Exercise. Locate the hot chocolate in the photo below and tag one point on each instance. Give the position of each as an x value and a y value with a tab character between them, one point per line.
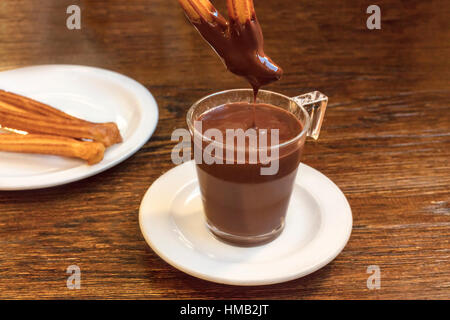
237	198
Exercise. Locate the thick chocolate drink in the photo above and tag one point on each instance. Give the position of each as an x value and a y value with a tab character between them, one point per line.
237	198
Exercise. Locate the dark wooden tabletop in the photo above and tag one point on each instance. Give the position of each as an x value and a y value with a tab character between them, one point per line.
385	142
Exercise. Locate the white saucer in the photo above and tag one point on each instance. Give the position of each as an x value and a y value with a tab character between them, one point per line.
90	93
318	226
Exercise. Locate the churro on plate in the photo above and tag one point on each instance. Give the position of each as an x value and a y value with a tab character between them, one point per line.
35	127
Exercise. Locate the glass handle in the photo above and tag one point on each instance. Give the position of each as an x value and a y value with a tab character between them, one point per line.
315	103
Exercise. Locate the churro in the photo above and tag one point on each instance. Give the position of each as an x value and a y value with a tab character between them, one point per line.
29	126
26	114
92	152
31	123
199	9
16	102
238	41
241	10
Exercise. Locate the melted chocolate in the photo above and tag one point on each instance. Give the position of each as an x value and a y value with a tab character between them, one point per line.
237	199
241	48
238	116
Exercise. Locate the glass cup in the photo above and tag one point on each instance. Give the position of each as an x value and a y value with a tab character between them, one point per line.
242	206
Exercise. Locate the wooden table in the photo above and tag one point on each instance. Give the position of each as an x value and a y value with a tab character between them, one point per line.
385	142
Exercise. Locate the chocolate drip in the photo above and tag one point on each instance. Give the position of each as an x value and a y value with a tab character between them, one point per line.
240	47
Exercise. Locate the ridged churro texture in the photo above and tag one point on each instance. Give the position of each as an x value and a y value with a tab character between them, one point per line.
197	10
25	114
241	10
92	152
30	126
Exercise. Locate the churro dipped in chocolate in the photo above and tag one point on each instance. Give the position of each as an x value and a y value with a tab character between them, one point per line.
92	152
238	41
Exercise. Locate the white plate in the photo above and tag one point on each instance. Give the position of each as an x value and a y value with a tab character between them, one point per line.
318	226
90	93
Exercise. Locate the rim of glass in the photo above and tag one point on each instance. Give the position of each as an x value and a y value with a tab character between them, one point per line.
294	139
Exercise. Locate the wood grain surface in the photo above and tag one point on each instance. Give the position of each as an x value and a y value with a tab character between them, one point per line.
385	142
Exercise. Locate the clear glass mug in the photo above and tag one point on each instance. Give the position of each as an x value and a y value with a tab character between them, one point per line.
242	206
